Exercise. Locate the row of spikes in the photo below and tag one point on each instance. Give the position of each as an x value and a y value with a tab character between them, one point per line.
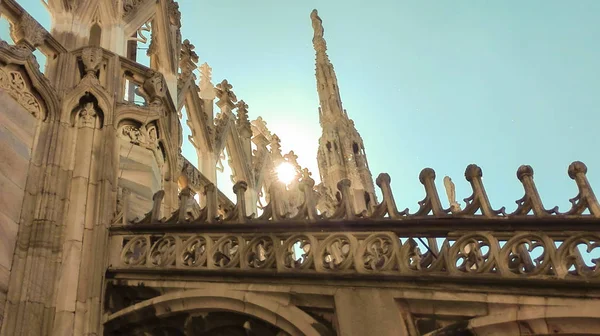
430	205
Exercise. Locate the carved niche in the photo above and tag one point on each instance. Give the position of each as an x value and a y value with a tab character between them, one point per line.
145	136
15	85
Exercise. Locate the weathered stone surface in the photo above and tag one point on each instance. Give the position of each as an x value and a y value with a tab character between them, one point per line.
95	142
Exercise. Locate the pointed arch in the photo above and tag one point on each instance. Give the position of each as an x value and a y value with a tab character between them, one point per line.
89	85
95	35
283	315
36	81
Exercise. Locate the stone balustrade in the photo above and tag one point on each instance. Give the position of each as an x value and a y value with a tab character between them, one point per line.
472	243
386	254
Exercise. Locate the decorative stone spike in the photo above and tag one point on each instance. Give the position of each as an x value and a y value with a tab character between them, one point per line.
431	202
585	199
157	202
479	199
276	148
207	89
211	203
187	58
239	213
226	97
184	197
531	201
388	204
347	203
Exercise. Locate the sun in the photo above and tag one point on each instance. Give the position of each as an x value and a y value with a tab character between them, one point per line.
286	173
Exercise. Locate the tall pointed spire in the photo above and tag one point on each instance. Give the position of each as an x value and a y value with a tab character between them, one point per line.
341	150
327	86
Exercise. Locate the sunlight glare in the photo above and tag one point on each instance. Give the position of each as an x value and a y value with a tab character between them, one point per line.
286	173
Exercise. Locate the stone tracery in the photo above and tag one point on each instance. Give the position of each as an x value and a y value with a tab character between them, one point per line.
14	83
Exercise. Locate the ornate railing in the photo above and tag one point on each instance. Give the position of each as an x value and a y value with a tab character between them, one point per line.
477	205
476	254
531	243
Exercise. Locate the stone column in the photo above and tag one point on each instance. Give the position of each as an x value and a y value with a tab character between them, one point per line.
81	197
368	311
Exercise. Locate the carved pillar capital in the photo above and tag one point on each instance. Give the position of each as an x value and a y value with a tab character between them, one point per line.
91	58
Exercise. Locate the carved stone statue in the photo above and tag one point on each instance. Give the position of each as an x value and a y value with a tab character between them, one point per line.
133	133
87	115
451	193
317	23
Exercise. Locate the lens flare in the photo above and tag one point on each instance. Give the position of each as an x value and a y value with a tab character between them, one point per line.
286	173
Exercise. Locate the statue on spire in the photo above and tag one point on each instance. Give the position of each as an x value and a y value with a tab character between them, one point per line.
317	24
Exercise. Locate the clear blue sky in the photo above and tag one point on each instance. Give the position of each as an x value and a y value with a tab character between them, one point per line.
438	84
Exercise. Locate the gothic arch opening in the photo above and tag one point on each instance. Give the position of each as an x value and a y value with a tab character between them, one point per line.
87	111
355	148
95	35
367	199
211	313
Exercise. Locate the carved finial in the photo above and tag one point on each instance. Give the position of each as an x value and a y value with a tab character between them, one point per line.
260	126
586	197
238	214
242	112
318	41
577	167
479	199
524	171
431	202
28	31
306	178
426	173
347	203
388	205
292	158
174	13
531	200
472	172
276	146
317	24
187	51
207	89
187	60
226	97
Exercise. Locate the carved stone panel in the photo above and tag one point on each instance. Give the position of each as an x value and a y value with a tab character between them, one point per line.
13	82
